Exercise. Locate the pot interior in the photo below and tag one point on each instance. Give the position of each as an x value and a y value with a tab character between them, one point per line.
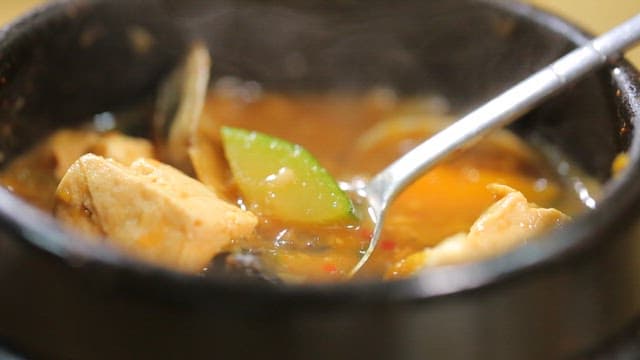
58	70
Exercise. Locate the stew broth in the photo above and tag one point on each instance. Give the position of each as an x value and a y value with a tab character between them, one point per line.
353	136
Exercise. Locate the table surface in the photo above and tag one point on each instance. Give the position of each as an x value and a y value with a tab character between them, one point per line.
594	15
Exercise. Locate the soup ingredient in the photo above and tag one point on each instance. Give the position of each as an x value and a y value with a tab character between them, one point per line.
209	164
124	149
35	174
179	105
373	130
447	200
283	180
192	143
620	162
149	210
391	138
66	146
507	223
400	128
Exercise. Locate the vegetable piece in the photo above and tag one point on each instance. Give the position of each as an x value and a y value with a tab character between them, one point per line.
283	180
179	105
188	137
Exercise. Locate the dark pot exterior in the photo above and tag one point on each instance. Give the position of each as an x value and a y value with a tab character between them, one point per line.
561	296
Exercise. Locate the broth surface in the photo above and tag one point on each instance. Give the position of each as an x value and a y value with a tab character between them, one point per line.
353	136
356	136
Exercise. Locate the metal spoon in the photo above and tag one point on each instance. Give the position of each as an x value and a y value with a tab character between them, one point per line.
498	112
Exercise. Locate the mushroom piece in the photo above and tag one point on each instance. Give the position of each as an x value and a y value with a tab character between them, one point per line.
180	127
509	222
179	105
149	210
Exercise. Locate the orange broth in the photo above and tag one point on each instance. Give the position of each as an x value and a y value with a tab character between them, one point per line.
353	136
442	203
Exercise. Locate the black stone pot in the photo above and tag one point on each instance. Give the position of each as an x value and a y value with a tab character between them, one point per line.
560	296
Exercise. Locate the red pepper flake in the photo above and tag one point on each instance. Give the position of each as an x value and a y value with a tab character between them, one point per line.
387	245
365	235
330	268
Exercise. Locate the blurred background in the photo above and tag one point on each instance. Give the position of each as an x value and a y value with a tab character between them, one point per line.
594	15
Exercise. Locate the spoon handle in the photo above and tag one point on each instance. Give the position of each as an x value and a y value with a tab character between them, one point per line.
500	111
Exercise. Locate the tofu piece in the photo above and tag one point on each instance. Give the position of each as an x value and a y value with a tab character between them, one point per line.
124	149
149	210
73	204
31	176
67	145
509	222
36	174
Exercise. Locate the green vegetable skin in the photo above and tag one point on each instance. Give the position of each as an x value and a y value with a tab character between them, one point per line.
283	180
